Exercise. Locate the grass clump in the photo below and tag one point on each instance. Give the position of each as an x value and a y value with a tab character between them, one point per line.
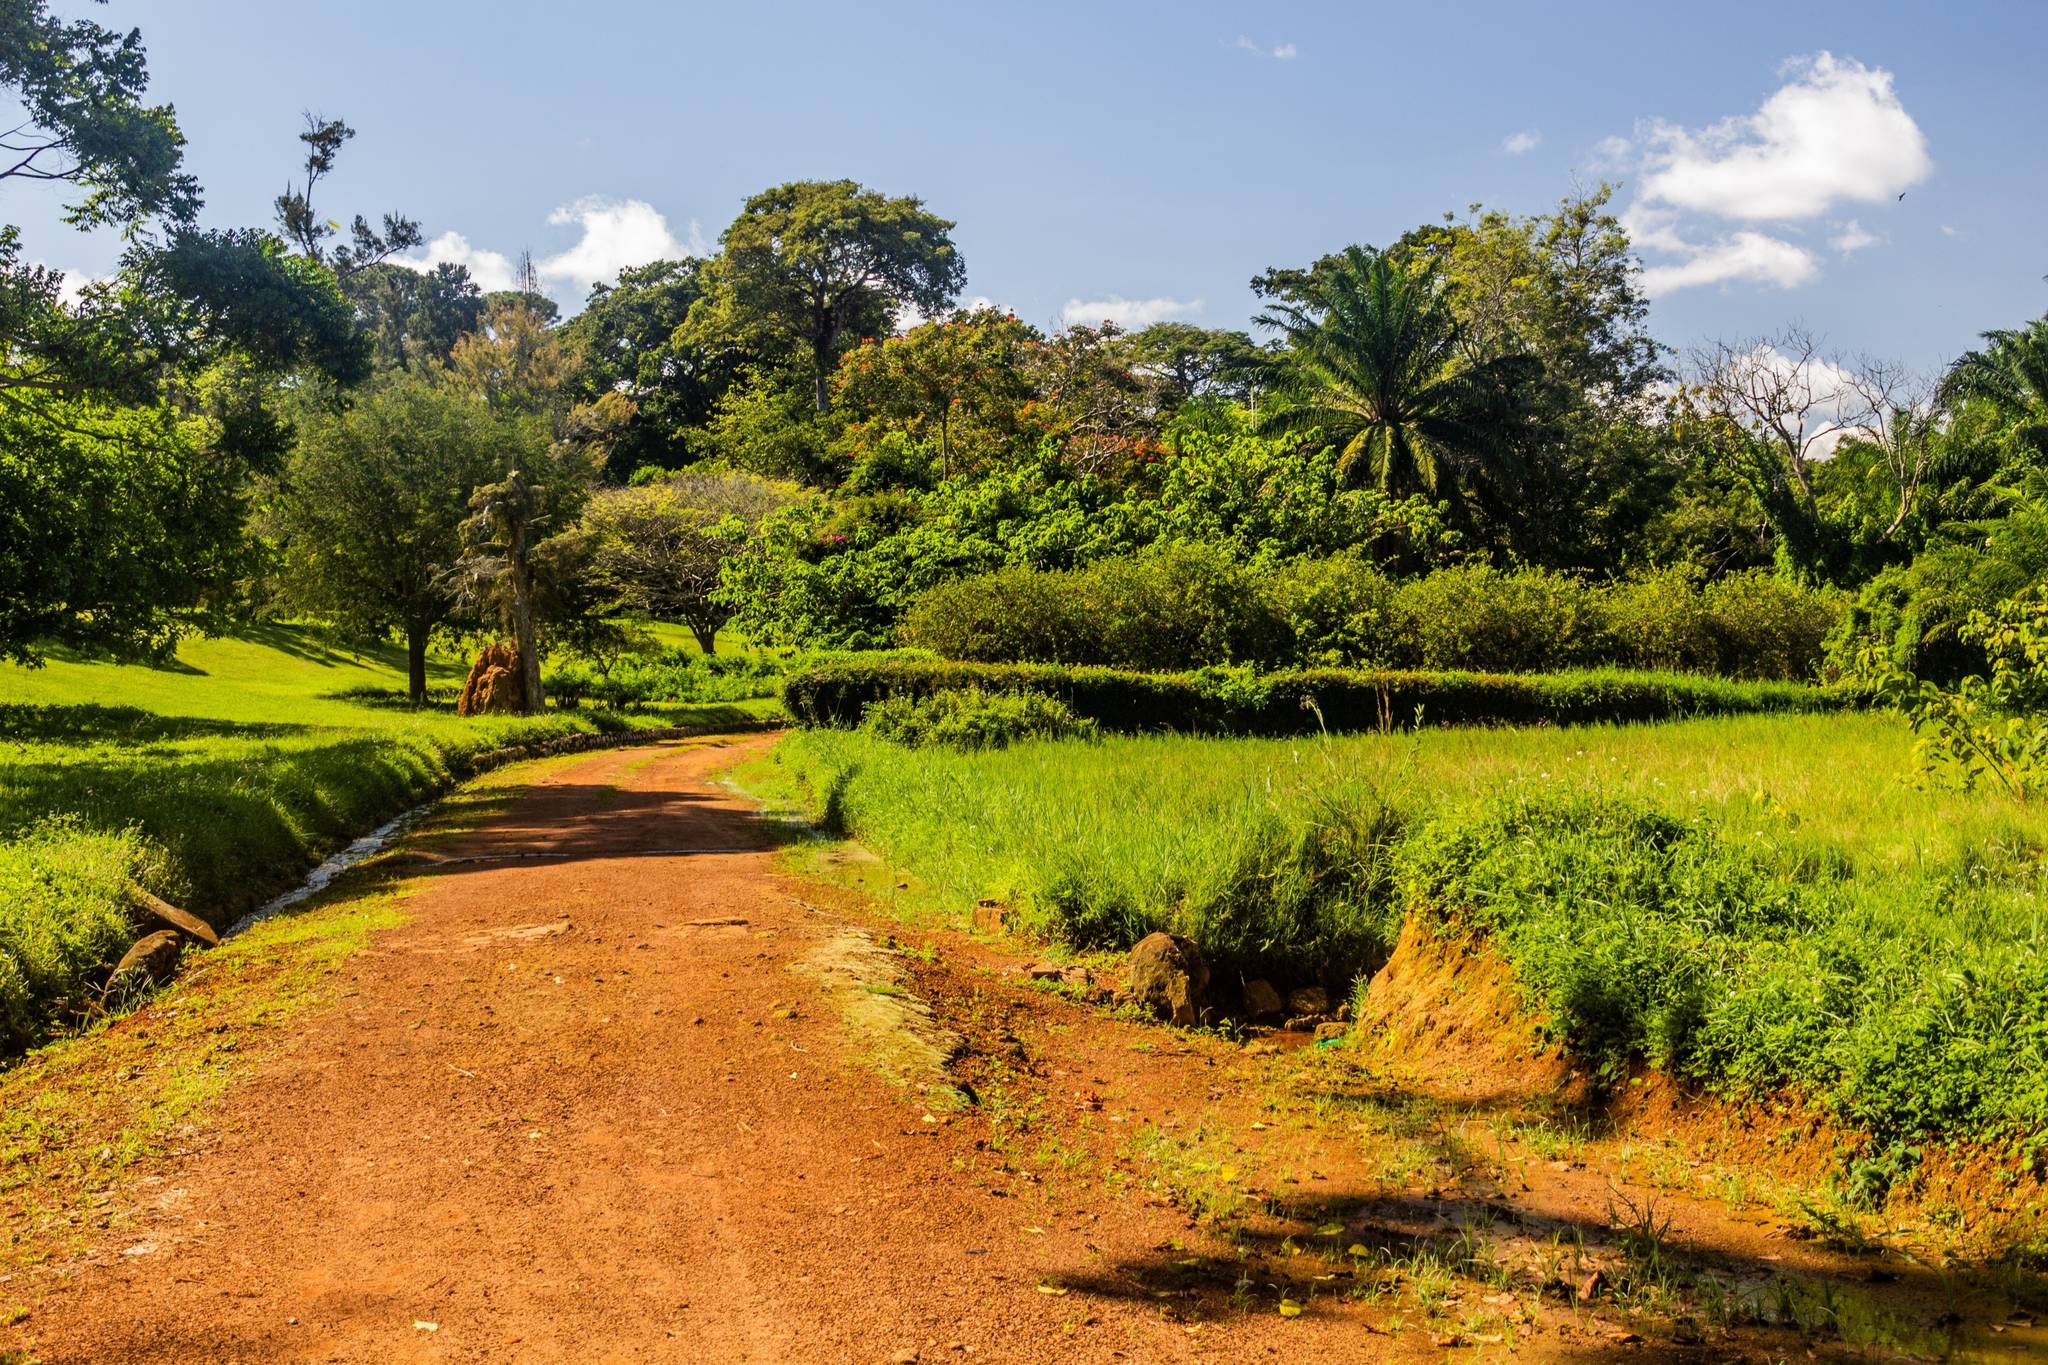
970	718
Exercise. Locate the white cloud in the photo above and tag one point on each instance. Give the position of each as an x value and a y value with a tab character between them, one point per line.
1852	236
908	315
492	270
1948	231
1836	131
617	233
1518	144
1754	257
1280	52
1129	313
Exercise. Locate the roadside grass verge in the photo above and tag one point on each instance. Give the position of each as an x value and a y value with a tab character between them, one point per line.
1752	902
212	783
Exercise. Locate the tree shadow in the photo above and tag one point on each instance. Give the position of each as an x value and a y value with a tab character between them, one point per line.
565	822
89	723
1397	1254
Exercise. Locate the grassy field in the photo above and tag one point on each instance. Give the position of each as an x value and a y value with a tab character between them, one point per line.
1753	902
213	782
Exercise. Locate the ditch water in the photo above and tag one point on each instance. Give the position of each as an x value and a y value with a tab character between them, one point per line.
333	866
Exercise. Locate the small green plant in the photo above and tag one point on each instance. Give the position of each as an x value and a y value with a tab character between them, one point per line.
969	718
1982	730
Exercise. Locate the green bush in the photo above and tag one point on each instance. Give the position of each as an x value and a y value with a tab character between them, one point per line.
1222	701
1767	626
1188	606
1528	621
1342	612
1179	607
970	718
666	676
1738	964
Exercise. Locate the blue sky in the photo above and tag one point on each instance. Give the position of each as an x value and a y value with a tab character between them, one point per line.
1147	160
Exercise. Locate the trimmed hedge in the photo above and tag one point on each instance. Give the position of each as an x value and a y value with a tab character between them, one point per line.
1225	701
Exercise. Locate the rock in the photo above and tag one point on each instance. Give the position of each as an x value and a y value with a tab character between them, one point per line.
1261	1001
1344	1013
1589	1288
1329	1031
1046	971
153	959
182	920
906	1356
989	916
495	685
1309	1000
1166	974
1304	1023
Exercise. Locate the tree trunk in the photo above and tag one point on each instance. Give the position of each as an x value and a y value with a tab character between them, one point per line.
707	638
824	399
522	623
416	663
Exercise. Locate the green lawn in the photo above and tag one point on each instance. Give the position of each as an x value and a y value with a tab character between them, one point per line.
1753	901
213	782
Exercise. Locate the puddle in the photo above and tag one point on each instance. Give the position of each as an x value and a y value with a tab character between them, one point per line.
318	879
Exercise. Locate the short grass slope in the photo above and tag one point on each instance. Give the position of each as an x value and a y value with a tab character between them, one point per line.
211	783
1754	903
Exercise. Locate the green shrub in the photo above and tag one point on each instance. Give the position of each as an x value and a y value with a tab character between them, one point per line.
1225	701
1181	606
1659	619
1767	626
970	718
666	676
1191	605
1342	612
1527	621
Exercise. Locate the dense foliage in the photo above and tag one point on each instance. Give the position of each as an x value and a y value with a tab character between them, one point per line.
841	692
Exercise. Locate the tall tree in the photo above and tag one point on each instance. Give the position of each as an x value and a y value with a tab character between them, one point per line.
370	511
659	549
959	379
2010	376
415	317
813	266
633	342
306	229
1376	361
154	383
1185	362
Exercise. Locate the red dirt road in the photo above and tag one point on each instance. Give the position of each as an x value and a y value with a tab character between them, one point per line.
558	1116
604	1105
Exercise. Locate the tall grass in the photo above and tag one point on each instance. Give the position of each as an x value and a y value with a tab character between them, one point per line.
1752	901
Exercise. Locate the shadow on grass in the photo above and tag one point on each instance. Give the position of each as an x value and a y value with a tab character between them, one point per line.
88	723
65	654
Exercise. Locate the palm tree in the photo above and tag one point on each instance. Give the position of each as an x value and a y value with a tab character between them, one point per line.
2011	375
1377	363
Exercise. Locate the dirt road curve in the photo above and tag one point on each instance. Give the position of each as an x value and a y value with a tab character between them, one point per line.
563	1114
